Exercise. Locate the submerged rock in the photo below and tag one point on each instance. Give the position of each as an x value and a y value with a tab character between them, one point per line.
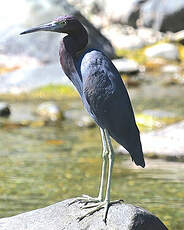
64	216
173	79
4	109
49	111
85	122
80	117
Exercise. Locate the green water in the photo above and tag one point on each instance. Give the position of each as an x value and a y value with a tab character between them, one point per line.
41	165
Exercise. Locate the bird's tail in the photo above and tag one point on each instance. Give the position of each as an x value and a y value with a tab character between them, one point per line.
138	158
136	152
132	144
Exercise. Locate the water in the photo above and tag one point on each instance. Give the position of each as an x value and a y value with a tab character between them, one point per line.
41	165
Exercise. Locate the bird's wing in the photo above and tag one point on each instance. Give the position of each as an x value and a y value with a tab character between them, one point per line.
103	89
107	99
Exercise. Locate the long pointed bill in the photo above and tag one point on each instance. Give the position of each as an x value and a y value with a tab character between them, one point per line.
45	27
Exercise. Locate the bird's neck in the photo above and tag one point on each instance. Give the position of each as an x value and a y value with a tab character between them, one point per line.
76	41
70	48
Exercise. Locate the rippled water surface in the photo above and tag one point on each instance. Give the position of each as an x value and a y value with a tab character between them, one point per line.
41	165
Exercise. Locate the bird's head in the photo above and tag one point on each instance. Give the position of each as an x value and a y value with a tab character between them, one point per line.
62	24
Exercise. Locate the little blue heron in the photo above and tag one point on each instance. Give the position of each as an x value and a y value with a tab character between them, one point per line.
104	96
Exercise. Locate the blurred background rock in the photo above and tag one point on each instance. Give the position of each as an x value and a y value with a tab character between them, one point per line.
113	27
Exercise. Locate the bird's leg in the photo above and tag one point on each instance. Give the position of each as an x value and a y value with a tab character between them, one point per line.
111	162
106	203
104	163
85	198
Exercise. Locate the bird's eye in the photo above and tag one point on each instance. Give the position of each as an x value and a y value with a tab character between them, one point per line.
64	22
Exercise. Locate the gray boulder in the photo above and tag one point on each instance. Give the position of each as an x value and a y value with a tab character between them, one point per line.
62	216
167	15
45	45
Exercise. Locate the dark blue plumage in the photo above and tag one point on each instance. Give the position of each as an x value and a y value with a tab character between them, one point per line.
106	99
104	96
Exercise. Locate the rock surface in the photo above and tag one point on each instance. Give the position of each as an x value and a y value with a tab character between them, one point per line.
61	216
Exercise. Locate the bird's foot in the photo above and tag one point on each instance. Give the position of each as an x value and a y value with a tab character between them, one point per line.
97	206
85	199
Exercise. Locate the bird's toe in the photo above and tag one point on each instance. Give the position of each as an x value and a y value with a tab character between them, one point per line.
85	199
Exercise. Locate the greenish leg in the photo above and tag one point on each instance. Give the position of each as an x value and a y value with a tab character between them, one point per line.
104	163
85	198
98	203
106	203
111	162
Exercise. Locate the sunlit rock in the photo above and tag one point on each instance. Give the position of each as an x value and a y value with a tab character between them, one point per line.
123	37
167	141
170	69
126	66
165	50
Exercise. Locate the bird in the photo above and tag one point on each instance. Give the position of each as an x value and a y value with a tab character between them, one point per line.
105	98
